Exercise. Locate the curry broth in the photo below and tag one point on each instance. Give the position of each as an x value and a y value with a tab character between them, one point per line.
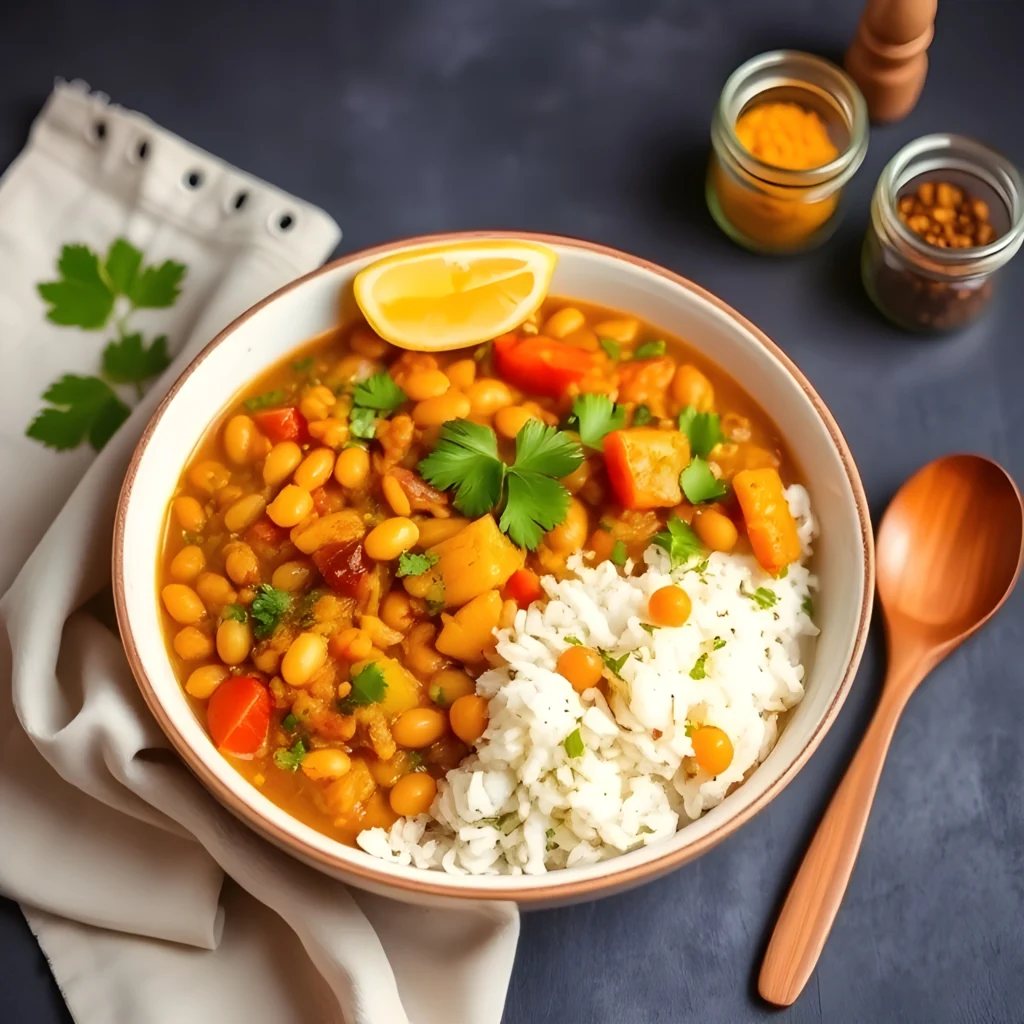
286	383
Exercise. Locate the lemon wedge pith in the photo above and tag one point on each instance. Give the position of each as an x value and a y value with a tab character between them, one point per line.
443	297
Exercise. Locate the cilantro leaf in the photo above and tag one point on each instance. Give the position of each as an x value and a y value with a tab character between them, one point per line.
289	723
573	744
267	609
535	505
362	423
679	541
697	672
266	400
650	350
466	459
234	613
378	392
368	687
762	597
613	664
89	410
129	361
289	760
642	416
612	349
415	565
699	483
718	644
574	640
542	449
700	568
81	298
649	627
807	605
157	287
618	555
121	265
704	430
596	416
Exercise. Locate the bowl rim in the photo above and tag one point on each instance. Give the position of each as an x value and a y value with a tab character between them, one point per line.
569	889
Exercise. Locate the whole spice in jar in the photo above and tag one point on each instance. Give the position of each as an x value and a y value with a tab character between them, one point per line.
947	217
787	136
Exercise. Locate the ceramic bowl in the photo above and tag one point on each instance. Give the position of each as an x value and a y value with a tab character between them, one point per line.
307	307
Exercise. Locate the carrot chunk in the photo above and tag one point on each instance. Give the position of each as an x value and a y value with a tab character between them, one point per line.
770	525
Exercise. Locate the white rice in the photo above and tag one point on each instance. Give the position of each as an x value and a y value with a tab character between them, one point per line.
522	804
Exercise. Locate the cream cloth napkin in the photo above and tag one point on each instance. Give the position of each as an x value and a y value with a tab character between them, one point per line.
115	852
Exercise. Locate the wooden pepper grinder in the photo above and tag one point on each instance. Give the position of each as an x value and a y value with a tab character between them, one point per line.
888	58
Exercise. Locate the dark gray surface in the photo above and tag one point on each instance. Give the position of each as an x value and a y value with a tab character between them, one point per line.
591	119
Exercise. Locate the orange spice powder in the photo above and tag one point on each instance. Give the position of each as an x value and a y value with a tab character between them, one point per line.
787	136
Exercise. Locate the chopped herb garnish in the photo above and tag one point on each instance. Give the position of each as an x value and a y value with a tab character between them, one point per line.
612	349
612	663
649	627
784	572
702	428
289	760
435	598
807	604
573	744
551	844
362	423
700	568
368	687
508	823
619	554
650	350
415	565
304	611
265	401
574	640
531	498
596	416
378	392
697	672
762	597
267	609
642	416
718	644
304	365
699	483
289	723
679	541
234	612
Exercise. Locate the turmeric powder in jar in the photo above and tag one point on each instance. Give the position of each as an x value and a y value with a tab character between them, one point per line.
790	130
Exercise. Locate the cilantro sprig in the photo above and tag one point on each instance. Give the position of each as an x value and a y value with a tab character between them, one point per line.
679	541
368	687
267	609
528	494
410	564
289	760
378	392
699	483
649	350
596	416
704	429
762	597
87	293
573	744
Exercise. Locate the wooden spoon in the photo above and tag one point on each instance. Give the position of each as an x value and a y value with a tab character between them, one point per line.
949	552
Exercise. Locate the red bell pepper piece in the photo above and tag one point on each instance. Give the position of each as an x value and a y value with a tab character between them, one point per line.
238	716
343	566
541	366
287	424
523	587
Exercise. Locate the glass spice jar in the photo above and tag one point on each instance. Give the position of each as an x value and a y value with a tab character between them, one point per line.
915	283
772	209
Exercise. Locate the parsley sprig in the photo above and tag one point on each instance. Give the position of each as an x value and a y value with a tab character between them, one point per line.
528	493
88	293
679	541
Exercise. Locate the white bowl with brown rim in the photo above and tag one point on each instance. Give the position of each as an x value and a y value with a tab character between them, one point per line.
843	559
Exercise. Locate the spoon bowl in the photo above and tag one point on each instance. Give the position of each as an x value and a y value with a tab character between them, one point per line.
949	548
949	552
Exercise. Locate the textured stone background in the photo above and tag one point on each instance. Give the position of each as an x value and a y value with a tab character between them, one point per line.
591	119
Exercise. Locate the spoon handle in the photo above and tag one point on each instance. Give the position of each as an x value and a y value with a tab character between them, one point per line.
820	884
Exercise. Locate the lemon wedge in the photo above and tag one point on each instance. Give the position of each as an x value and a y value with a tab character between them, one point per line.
443	297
